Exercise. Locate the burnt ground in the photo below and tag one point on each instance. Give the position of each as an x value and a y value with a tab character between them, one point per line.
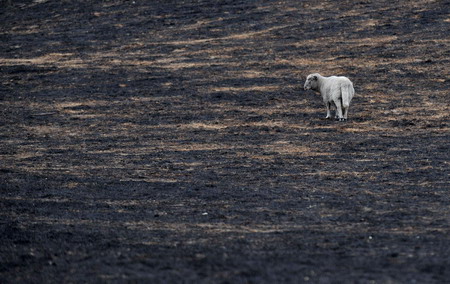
171	141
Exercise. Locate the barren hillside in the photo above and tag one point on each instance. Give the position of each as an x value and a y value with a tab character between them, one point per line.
172	141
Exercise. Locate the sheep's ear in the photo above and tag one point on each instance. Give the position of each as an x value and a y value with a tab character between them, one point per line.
314	78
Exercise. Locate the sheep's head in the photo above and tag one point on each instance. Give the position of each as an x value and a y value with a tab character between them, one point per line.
311	82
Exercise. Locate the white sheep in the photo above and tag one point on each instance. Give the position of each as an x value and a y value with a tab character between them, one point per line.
335	89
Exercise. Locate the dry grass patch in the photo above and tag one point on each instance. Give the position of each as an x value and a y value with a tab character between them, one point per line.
266	88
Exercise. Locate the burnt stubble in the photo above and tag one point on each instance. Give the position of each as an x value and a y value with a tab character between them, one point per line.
172	141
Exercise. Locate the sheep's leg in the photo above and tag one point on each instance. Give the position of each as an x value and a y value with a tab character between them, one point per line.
345	112
339	109
328	105
336	114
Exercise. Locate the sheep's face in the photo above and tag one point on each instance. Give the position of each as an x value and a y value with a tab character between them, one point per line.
311	82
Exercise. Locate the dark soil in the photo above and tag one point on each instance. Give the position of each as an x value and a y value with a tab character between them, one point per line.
172	141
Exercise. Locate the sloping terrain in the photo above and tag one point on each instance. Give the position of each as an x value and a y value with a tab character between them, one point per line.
172	141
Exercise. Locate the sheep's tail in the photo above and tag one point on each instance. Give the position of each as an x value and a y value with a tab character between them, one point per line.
347	94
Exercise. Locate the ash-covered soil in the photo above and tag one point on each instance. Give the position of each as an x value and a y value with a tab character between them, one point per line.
172	142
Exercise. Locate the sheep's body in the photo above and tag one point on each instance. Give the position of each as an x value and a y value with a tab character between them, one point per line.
334	89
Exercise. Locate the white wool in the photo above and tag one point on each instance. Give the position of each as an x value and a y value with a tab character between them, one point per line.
335	89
